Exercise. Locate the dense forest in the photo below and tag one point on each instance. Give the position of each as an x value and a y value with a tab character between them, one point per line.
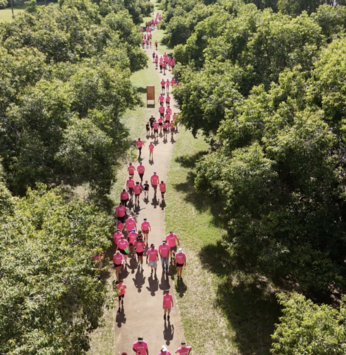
265	83
64	83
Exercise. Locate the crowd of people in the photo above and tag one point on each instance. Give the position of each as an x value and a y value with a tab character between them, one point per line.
131	238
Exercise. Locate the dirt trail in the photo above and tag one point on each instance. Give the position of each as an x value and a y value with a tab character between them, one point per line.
143	313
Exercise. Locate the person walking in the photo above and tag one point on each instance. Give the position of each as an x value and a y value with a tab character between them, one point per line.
180	262
172	241
130	224
145	227
147	128
156	44
164	252
123	247
116	237
146	190
139	249
165	129
164	350
130	185
161	99
139	144
154	182
131	169
168	100
152	257
140	347
118	261
167	86
167	304
184	350
124	197
151	151
151	121
120	211
162	188
132	237
137	190
121	287
141	170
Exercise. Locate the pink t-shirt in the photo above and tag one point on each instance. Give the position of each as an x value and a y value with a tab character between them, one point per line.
117	237
130	183
140	169
155	179
155	125
162	81
184	351
122	289
117	258
151	147
171	238
123	244
132	237
180	258
130	224
161	109
140	246
167	117
120	226
124	196
137	189
140	347
160	120
162	187
120	210
131	169
145	226
161	98
171	125
167	301
168	98
169	110
139	144
167	83
164	250
152	254
165	125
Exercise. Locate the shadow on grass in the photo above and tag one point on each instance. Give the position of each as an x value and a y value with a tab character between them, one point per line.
245	298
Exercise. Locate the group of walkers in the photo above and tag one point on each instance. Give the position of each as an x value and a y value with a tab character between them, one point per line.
131	239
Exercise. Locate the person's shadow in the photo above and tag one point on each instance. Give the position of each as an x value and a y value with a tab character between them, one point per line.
133	264
180	288
168	332
163	204
151	162
130	203
154	201
153	285
124	273
164	284
139	280
120	318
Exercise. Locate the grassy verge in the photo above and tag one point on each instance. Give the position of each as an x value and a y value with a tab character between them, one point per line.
6	14
223	310
102	340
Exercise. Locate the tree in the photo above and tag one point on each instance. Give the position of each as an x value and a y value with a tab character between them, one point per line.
307	328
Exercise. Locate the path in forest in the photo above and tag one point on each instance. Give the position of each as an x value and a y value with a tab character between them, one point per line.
143	312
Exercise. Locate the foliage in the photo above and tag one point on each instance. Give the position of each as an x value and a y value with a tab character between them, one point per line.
3	4
50	297
31	6
307	328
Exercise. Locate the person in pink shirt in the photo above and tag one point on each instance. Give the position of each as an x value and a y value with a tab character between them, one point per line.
151	151
154	182
121	293
130	224
168	100
161	99
123	247
165	130
139	248
139	144
120	225
163	85
118	260
167	304
137	190
167	86
162	111
172	241
164	252
160	120
145	227
180	262
164	351
167	117
132	236
169	110
140	347
116	237
152	257
131	169
162	188
130	185
184	350
124	197
140	170
120	212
